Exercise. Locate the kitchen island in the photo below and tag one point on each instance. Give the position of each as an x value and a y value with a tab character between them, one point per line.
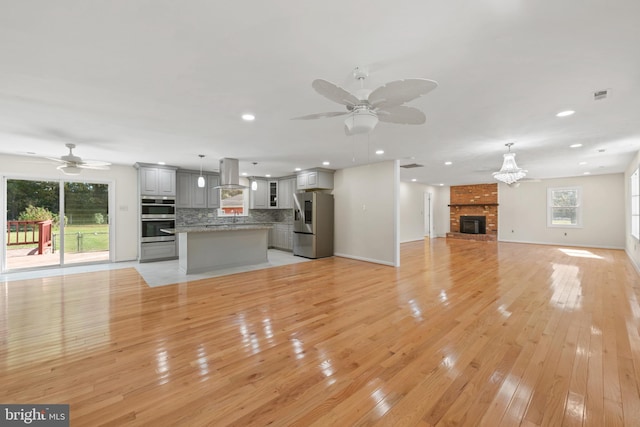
208	248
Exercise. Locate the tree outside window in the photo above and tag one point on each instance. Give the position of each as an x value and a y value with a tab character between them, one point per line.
233	202
564	207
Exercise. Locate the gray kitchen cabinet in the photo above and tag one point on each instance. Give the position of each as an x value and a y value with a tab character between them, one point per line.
213	193
272	190
189	195
315	179
158	250
260	196
157	181
286	188
283	236
183	191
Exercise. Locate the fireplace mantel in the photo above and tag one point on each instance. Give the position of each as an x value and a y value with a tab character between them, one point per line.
473	204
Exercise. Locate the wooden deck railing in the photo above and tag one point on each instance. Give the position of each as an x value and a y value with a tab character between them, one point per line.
30	232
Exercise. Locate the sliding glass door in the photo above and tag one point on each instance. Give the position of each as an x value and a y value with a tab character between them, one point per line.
53	223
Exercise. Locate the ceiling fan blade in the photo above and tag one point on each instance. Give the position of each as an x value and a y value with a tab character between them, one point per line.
93	163
400	91
55	159
321	115
102	167
334	93
402	114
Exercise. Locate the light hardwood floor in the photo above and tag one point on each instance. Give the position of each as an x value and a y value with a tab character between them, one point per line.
463	333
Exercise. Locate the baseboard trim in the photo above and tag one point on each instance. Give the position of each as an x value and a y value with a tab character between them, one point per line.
573	245
359	258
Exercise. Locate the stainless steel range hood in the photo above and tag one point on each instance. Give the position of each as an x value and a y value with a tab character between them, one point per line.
230	175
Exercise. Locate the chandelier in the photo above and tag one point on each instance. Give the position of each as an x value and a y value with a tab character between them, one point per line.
510	172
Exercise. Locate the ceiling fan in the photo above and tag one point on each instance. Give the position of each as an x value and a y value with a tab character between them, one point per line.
73	165
366	107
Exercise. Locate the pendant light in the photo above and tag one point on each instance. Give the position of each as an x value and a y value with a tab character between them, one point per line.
201	178
254	183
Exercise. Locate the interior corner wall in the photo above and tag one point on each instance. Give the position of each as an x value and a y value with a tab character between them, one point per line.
632	245
412	211
523	212
367	213
441	219
124	215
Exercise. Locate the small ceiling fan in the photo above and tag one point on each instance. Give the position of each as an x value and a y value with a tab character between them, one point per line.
366	107
73	165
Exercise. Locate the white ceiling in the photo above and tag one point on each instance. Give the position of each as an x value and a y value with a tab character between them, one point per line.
145	81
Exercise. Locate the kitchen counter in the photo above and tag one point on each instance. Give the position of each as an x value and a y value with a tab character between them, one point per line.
207	248
217	228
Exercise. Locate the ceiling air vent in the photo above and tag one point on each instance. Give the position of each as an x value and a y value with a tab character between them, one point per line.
600	94
411	166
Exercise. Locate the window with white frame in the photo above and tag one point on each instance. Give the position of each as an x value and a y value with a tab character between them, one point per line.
564	207
635	204
234	202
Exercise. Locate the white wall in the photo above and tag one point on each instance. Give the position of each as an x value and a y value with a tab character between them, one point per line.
632	246
441	201
367	213
412	213
522	212
123	179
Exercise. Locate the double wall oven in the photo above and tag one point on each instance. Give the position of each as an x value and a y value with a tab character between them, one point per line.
157	213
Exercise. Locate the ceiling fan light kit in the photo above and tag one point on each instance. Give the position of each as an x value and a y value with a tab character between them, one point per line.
361	121
69	169
509	173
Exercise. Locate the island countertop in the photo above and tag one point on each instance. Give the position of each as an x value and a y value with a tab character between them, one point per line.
216	228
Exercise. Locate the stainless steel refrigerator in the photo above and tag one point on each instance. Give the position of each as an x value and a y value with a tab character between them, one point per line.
313	225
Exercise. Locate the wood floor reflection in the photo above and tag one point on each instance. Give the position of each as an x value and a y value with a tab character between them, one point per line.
463	333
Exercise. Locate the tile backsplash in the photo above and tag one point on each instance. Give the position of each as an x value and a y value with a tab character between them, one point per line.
191	216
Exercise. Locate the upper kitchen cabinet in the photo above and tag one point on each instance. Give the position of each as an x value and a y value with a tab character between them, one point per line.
259	198
213	193
273	194
189	195
286	188
315	179
156	180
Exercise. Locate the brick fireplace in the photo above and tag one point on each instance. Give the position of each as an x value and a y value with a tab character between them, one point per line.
474	202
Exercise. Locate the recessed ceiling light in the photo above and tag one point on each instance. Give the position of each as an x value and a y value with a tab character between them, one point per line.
326	163
161	163
587	173
413	180
441	185
378	152
448	163
565	113
297	169
575	146
244	174
268	175
582	163
248	117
